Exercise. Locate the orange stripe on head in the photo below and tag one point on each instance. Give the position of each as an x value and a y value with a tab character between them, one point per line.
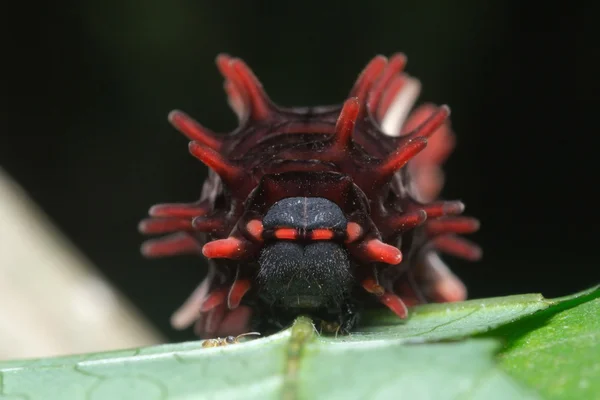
286	233
321	234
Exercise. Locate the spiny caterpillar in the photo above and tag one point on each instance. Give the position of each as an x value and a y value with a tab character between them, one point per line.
323	211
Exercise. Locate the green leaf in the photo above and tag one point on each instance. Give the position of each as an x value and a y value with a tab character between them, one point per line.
389	370
432	355
450	320
557	351
181	371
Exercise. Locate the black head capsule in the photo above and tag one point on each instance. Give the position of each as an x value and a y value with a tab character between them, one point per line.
297	272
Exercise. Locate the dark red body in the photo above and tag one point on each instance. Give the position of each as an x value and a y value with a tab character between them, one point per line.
371	192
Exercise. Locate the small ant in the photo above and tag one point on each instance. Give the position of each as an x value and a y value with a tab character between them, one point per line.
219	342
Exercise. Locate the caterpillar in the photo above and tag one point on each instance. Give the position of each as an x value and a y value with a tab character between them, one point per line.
324	211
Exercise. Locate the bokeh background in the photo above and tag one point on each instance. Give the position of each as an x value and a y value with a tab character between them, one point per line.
91	82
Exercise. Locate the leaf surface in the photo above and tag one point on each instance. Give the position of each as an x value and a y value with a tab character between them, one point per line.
432	355
557	351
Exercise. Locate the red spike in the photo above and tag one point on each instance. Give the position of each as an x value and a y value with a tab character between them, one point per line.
222	62
236	322
259	102
458	247
178	243
188	312
152	226
214	299
214	318
427	180
393	68
448	290
410	295
353	232
345	124
371	286
390	300
368	77
237	292
408	221
389	95
439	282
180	210
395	304
234	87
255	229
232	248
235	99
223	167
199	327
224	65
207	224
400	157
441	143
443	208
431	124
378	251
193	130
452	225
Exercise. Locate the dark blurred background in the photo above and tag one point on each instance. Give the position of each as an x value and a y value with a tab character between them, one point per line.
91	82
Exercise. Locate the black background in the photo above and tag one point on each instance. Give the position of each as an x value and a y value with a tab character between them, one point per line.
90	84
